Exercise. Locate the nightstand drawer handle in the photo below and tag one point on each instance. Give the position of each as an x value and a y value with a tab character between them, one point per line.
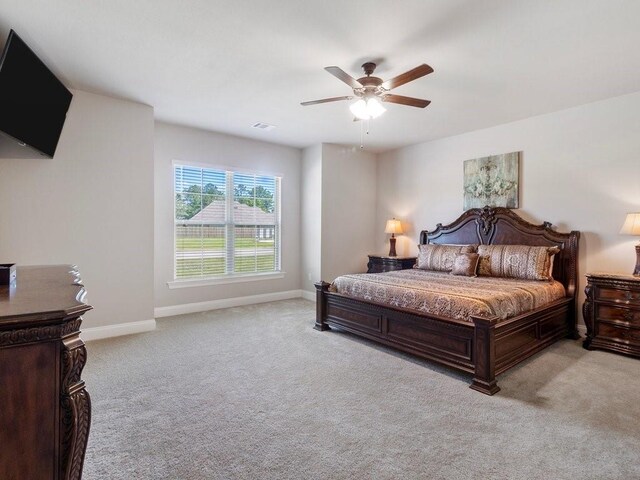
631	296
630	335
629	316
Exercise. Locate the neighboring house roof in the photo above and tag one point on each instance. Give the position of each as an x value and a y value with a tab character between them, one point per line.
242	214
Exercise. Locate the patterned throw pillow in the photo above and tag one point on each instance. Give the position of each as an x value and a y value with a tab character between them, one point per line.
465	264
516	261
440	257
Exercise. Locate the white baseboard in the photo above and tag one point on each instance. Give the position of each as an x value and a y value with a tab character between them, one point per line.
97	333
225	303
582	330
108	331
309	295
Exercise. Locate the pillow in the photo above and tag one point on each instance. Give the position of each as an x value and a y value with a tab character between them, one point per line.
465	264
440	257
516	261
551	259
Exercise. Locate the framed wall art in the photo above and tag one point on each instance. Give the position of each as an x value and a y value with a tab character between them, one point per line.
492	181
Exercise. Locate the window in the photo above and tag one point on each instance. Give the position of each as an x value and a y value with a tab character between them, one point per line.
226	223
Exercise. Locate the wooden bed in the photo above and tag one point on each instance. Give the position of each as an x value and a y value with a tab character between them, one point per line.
484	347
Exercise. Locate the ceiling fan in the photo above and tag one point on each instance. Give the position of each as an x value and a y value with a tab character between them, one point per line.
372	90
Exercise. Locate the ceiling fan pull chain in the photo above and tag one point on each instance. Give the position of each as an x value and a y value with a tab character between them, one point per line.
363	132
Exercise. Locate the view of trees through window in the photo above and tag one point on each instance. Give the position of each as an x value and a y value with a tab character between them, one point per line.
189	205
220	234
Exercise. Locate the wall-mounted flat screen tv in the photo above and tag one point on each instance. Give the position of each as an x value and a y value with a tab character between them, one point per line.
33	102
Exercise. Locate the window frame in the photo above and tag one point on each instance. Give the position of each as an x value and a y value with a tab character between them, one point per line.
231	277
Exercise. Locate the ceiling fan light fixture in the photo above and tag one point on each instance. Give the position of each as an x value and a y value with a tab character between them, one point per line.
359	110
367	109
372	90
375	108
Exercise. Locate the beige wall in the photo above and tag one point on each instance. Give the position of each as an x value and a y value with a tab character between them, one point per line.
190	145
311	213
580	170
92	205
338	212
348	210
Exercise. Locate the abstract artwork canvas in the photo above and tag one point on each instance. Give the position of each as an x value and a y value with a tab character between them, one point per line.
492	181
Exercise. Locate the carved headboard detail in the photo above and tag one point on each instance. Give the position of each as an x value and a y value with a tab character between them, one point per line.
501	226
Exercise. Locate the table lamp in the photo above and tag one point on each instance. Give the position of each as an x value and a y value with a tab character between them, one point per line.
393	226
631	226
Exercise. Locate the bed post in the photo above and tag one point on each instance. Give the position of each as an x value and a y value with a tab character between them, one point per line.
484	355
321	306
572	285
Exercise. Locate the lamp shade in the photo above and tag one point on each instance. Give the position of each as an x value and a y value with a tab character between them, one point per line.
393	226
367	109
359	110
375	108
631	224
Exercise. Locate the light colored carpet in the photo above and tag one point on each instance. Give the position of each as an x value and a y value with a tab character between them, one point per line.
255	393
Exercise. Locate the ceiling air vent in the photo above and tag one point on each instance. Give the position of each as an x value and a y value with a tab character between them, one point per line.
263	126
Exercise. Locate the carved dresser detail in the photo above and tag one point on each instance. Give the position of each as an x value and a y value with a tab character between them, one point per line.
612	313
45	411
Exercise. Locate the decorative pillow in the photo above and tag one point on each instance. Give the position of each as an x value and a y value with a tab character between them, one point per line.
516	261
440	257
551	259
465	264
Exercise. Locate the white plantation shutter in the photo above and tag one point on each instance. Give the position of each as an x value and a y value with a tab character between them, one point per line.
226	223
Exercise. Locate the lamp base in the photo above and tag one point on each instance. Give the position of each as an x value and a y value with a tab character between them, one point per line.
392	247
637	270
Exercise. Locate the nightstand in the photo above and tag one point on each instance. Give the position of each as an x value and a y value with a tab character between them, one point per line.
612	313
384	263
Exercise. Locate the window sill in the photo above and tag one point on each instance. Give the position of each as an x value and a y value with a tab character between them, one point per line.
238	278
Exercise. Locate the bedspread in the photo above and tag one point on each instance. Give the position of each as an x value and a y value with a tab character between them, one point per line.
443	294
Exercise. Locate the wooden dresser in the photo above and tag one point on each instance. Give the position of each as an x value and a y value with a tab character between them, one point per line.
612	313
45	410
383	263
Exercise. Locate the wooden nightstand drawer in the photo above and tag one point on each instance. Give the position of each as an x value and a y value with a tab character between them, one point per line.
626	316
614	332
618	295
381	263
612	313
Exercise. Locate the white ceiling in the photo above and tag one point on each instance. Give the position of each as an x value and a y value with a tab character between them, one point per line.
224	65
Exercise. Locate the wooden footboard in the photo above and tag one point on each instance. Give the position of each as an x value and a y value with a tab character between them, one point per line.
484	348
448	342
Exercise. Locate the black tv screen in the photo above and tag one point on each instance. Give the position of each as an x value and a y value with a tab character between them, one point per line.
33	102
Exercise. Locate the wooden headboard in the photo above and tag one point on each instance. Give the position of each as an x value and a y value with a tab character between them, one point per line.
501	226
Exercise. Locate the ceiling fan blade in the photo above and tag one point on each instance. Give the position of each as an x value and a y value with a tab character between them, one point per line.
326	100
402	100
344	76
407	77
